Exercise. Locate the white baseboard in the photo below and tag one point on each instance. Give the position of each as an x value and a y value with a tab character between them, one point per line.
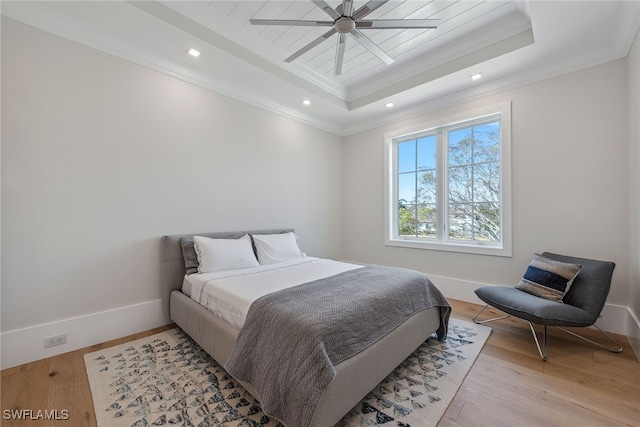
27	345
615	318
633	326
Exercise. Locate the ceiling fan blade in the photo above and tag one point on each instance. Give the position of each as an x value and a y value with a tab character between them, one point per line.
311	45
290	22
398	23
368	8
337	66
371	46
345	8
327	9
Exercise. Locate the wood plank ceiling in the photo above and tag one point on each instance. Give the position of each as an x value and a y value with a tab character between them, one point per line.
231	18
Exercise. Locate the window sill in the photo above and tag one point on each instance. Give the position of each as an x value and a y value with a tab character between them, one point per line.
473	248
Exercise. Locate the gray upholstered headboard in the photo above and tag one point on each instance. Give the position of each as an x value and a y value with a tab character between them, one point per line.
172	263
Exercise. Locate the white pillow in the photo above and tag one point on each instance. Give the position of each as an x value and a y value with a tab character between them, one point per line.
224	254
275	248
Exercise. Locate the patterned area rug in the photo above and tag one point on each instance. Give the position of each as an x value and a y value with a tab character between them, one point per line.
167	379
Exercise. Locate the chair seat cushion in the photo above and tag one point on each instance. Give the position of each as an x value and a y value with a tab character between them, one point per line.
532	308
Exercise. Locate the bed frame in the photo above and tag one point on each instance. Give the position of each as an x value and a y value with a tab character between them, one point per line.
355	377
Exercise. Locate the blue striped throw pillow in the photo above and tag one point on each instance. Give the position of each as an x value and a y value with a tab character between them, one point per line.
548	278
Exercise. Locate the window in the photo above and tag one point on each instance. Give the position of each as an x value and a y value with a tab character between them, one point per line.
448	184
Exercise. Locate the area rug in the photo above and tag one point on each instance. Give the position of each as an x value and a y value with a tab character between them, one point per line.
167	379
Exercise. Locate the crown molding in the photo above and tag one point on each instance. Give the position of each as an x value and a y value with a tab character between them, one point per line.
490	88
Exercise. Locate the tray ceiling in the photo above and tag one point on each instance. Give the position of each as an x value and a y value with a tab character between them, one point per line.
510	42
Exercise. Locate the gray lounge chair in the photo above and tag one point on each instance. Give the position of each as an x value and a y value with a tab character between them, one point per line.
580	306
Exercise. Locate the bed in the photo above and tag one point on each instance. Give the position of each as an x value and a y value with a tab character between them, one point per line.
351	378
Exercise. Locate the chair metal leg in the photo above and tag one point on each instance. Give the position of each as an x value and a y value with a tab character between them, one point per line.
480	322
541	351
617	349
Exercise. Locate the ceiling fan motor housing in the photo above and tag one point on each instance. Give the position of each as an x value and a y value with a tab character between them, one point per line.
344	24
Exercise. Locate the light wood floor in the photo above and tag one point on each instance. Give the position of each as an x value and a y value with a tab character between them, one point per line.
508	385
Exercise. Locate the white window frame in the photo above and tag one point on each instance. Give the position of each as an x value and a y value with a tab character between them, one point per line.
392	238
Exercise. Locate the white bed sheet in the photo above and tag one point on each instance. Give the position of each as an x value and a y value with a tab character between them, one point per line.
229	294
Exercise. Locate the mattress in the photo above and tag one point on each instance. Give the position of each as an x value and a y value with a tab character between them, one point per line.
229	294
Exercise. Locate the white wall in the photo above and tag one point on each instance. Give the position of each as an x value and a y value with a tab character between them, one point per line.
569	184
633	76
101	157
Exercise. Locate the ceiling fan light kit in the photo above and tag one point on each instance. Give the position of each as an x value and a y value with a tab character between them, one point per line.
346	21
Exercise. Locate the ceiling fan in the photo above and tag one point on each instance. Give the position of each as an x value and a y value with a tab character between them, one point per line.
346	21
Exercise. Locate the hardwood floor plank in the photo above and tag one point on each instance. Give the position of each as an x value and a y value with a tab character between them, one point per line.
483	388
546	399
25	388
68	374
478	415
456	405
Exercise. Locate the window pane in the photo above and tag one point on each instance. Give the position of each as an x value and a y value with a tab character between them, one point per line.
407	156
427	188
407	187
461	184
460	147
479	222
427	152
460	221
427	213
486	142
406	220
427	229
486	182
487	220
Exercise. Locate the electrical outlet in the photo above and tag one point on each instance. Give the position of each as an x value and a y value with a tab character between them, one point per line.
55	340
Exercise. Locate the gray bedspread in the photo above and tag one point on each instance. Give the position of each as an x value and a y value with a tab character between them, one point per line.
292	339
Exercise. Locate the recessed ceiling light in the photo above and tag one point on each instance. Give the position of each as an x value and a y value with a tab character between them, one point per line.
306	102
389	104
193	52
476	76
